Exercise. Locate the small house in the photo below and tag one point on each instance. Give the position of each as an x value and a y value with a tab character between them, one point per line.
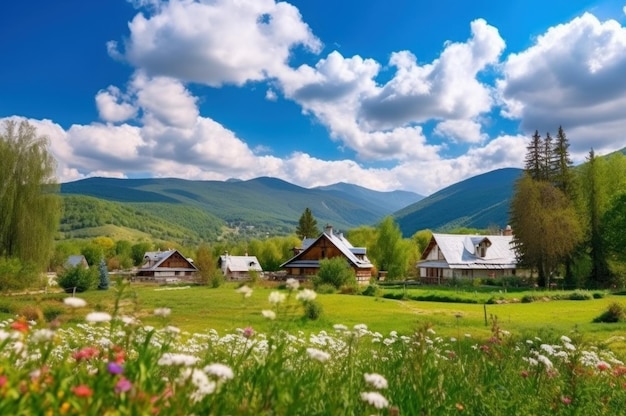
329	244
449	256
166	267
76	260
239	267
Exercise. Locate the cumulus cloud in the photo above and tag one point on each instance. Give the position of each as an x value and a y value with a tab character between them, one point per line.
113	106
461	131
572	76
218	42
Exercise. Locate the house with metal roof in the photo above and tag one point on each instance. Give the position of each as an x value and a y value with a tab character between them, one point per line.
166	267
449	256
76	260
239	267
329	244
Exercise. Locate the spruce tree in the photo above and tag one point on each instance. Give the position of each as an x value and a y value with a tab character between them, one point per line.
307	225
563	178
533	156
103	272
547	159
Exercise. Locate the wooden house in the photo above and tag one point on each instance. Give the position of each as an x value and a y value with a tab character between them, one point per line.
449	256
239	267
166	267
76	260
306	261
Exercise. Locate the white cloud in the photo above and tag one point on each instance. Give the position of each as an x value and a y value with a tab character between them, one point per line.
113	106
461	131
572	76
216	42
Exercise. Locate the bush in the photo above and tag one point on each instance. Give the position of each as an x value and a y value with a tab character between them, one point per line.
598	295
336	272
326	289
50	313
31	313
77	277
312	310
372	290
528	299
216	280
15	275
578	295
614	313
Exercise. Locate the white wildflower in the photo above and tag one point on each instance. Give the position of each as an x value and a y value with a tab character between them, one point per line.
245	291
569	346
269	314
544	360
452	339
566	340
468	335
360	327
375	380
75	302
318	355
221	371
42	335
163	312
95	317
276	298
548	348
170	358
340	327
172	329
292	284
306	295
431	331
375	399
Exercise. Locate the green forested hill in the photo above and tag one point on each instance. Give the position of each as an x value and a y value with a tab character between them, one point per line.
478	202
179	209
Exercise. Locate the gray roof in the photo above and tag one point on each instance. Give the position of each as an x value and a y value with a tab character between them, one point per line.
155	258
76	260
459	252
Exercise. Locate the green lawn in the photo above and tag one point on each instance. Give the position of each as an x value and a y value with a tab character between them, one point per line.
198	309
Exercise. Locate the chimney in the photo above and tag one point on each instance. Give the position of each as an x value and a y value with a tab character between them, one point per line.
508	231
329	229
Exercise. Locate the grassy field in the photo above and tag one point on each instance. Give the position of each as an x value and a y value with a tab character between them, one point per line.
197	309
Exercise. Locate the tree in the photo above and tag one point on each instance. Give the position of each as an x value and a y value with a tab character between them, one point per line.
614	225
563	177
139	250
307	225
206	264
533	162
389	253
103	273
547	159
596	200
546	226
29	202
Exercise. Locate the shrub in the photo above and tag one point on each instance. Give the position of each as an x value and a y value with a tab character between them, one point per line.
336	272
77	277
31	313
216	280
50	313
312	310
614	313
325	289
16	275
372	290
598	295
528	299
578	295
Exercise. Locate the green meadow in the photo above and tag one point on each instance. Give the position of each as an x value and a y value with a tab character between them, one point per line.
197	309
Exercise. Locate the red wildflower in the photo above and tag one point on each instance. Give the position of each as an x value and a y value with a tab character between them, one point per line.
3	380
484	348
82	390
248	332
20	325
602	366
86	353
566	400
524	374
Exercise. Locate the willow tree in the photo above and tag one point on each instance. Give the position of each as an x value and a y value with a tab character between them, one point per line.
29	202
546	226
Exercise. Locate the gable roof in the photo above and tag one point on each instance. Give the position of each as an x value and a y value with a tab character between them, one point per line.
240	263
460	251
156	259
339	241
76	260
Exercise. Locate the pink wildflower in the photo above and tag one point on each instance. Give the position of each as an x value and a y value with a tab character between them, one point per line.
123	385
82	390
248	332
86	353
566	400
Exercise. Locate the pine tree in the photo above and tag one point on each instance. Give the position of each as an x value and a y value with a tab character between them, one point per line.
533	156
563	178
547	159
307	225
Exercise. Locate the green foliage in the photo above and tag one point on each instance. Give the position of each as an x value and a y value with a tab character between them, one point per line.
77	277
206	264
16	275
325	288
614	313
614	220
307	225
579	295
138	251
390	252
312	310
28	195
336	272
372	290
546	226
51	312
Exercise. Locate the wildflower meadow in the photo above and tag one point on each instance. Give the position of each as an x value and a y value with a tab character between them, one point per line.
112	364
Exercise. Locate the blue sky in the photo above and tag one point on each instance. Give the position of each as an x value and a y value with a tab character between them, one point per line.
412	95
